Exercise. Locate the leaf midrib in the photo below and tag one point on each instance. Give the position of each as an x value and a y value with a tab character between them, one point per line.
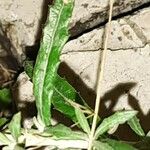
53	35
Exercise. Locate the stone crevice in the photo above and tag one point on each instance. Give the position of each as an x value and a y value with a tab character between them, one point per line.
99	18
100	49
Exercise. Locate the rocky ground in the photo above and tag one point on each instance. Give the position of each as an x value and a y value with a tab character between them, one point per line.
127	74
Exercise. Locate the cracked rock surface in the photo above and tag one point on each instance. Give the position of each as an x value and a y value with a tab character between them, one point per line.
89	13
127	72
21	20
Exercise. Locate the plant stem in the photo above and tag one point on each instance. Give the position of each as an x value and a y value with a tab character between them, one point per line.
100	76
78	122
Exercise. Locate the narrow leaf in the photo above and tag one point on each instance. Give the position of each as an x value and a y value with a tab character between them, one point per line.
2	121
116	119
97	145
15	126
54	37
40	141
112	130
62	132
5	97
119	145
148	134
13	147
82	120
18	147
135	126
28	67
64	89
61	86
3	139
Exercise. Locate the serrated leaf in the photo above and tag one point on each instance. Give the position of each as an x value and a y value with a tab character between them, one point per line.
15	126
3	121
62	132
119	145
5	97
97	145
135	126
116	119
54	37
3	139
82	120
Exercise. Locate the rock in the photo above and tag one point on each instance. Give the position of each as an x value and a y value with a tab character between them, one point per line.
6	53
21	20
127	74
88	14
24	99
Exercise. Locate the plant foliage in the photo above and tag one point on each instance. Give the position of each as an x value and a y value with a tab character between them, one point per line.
116	119
50	88
55	35
5	97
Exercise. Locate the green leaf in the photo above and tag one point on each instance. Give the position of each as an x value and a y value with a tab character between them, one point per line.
15	126
82	120
13	147
62	132
135	126
148	134
3	139
116	119
18	147
5	97
119	145
3	121
97	145
28	67
60	86
54	37
63	90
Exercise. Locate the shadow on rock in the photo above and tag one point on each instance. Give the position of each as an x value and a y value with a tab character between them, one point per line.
112	96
